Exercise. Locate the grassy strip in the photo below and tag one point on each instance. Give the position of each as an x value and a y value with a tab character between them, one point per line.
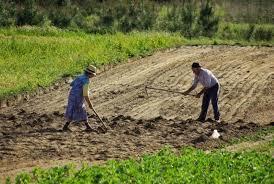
265	146
31	57
190	166
261	142
257	136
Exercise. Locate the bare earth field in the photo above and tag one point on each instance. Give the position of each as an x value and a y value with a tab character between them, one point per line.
30	133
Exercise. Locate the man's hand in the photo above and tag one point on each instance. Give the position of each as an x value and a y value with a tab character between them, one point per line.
201	92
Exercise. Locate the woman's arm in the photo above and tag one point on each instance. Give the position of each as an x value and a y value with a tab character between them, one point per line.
86	95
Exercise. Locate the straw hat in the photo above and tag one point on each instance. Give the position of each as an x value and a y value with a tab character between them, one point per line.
91	69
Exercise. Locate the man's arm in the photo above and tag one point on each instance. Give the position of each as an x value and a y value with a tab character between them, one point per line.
207	83
193	86
189	90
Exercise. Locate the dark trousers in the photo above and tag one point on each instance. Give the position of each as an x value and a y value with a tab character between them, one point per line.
210	94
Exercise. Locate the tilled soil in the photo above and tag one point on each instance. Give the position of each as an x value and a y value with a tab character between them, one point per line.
30	133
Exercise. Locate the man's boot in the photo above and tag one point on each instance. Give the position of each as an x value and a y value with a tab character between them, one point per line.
202	120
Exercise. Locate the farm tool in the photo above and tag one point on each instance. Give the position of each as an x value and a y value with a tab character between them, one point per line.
96	114
167	90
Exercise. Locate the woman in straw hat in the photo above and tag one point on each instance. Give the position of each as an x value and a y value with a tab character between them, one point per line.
76	110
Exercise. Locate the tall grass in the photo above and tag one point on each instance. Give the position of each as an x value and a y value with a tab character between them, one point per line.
247	32
31	57
190	166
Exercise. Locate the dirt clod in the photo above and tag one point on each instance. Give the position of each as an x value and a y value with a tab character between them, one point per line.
201	138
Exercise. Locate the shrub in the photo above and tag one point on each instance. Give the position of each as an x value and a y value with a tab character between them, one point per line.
90	23
61	18
249	32
263	34
188	19
7	14
134	16
207	21
28	15
105	24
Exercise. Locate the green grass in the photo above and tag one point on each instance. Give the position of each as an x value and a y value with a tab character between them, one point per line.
31	56
261	141
246	32
190	166
257	136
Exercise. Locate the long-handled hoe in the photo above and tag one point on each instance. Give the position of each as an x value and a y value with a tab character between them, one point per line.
167	90
105	127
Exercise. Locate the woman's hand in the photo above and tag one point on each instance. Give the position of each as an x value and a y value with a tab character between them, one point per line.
90	106
198	95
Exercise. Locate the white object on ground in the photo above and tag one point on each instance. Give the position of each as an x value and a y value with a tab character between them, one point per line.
215	134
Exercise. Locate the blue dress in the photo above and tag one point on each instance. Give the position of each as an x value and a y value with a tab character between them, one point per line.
76	110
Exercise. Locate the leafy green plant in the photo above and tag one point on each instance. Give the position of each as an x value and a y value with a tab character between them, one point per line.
190	166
